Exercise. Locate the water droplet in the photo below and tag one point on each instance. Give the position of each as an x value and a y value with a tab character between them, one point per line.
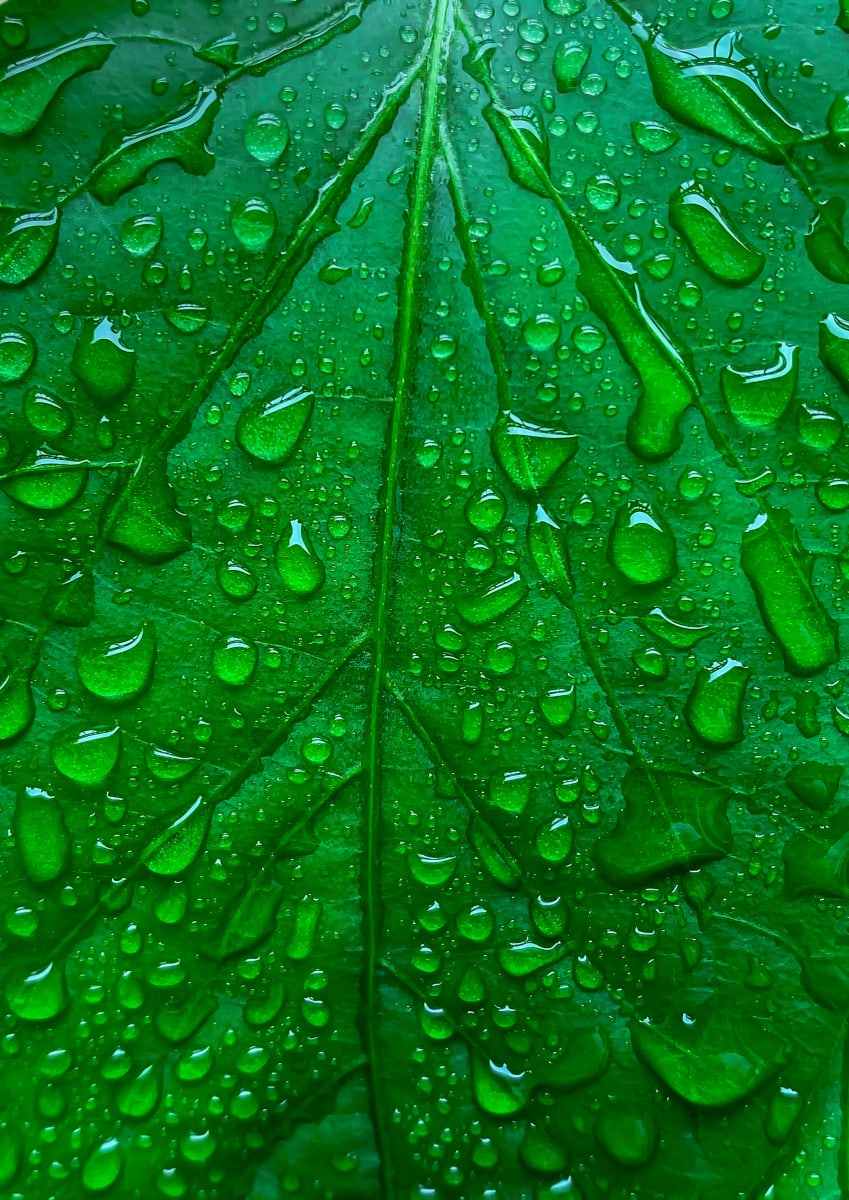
28	85
266	137
270	429
87	756
103	364
42	836
254	222
17	354
298	565
530	455
714	708
642	546
27	241
118	671
717	246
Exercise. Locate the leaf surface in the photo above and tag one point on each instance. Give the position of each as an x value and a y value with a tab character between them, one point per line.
423	570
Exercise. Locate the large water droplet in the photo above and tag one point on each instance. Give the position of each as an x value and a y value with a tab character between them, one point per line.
642	546
271	429
118	671
103	364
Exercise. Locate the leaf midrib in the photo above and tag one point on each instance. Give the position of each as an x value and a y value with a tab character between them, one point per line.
420	187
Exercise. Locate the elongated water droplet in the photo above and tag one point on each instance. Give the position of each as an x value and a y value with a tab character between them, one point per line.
298	565
47	481
138	1096
42	836
707	1068
779	570
271	429
723	252
493	602
547	544
28	85
118	671
674	633
570	58
17	709
125	161
834	347
714	708
719	88
523	139
27	241
17	354
179	846
825	240
671	822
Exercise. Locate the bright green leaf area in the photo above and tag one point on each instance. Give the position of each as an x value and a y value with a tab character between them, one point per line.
423	557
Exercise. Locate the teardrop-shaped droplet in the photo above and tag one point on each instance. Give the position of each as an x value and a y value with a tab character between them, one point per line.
570	58
178	847
27	241
103	364
40	996
558	706
28	85
47	413
47	481
719	248
758	397
41	834
118	671
145	518
139	1094
17	354
140	235
498	1090
17	709
298	565
103	1166
834	347
87	756
493	602
530	455
714	708
271	429
642	545
71	600
524	143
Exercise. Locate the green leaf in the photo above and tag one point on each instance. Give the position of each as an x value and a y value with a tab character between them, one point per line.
424	544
